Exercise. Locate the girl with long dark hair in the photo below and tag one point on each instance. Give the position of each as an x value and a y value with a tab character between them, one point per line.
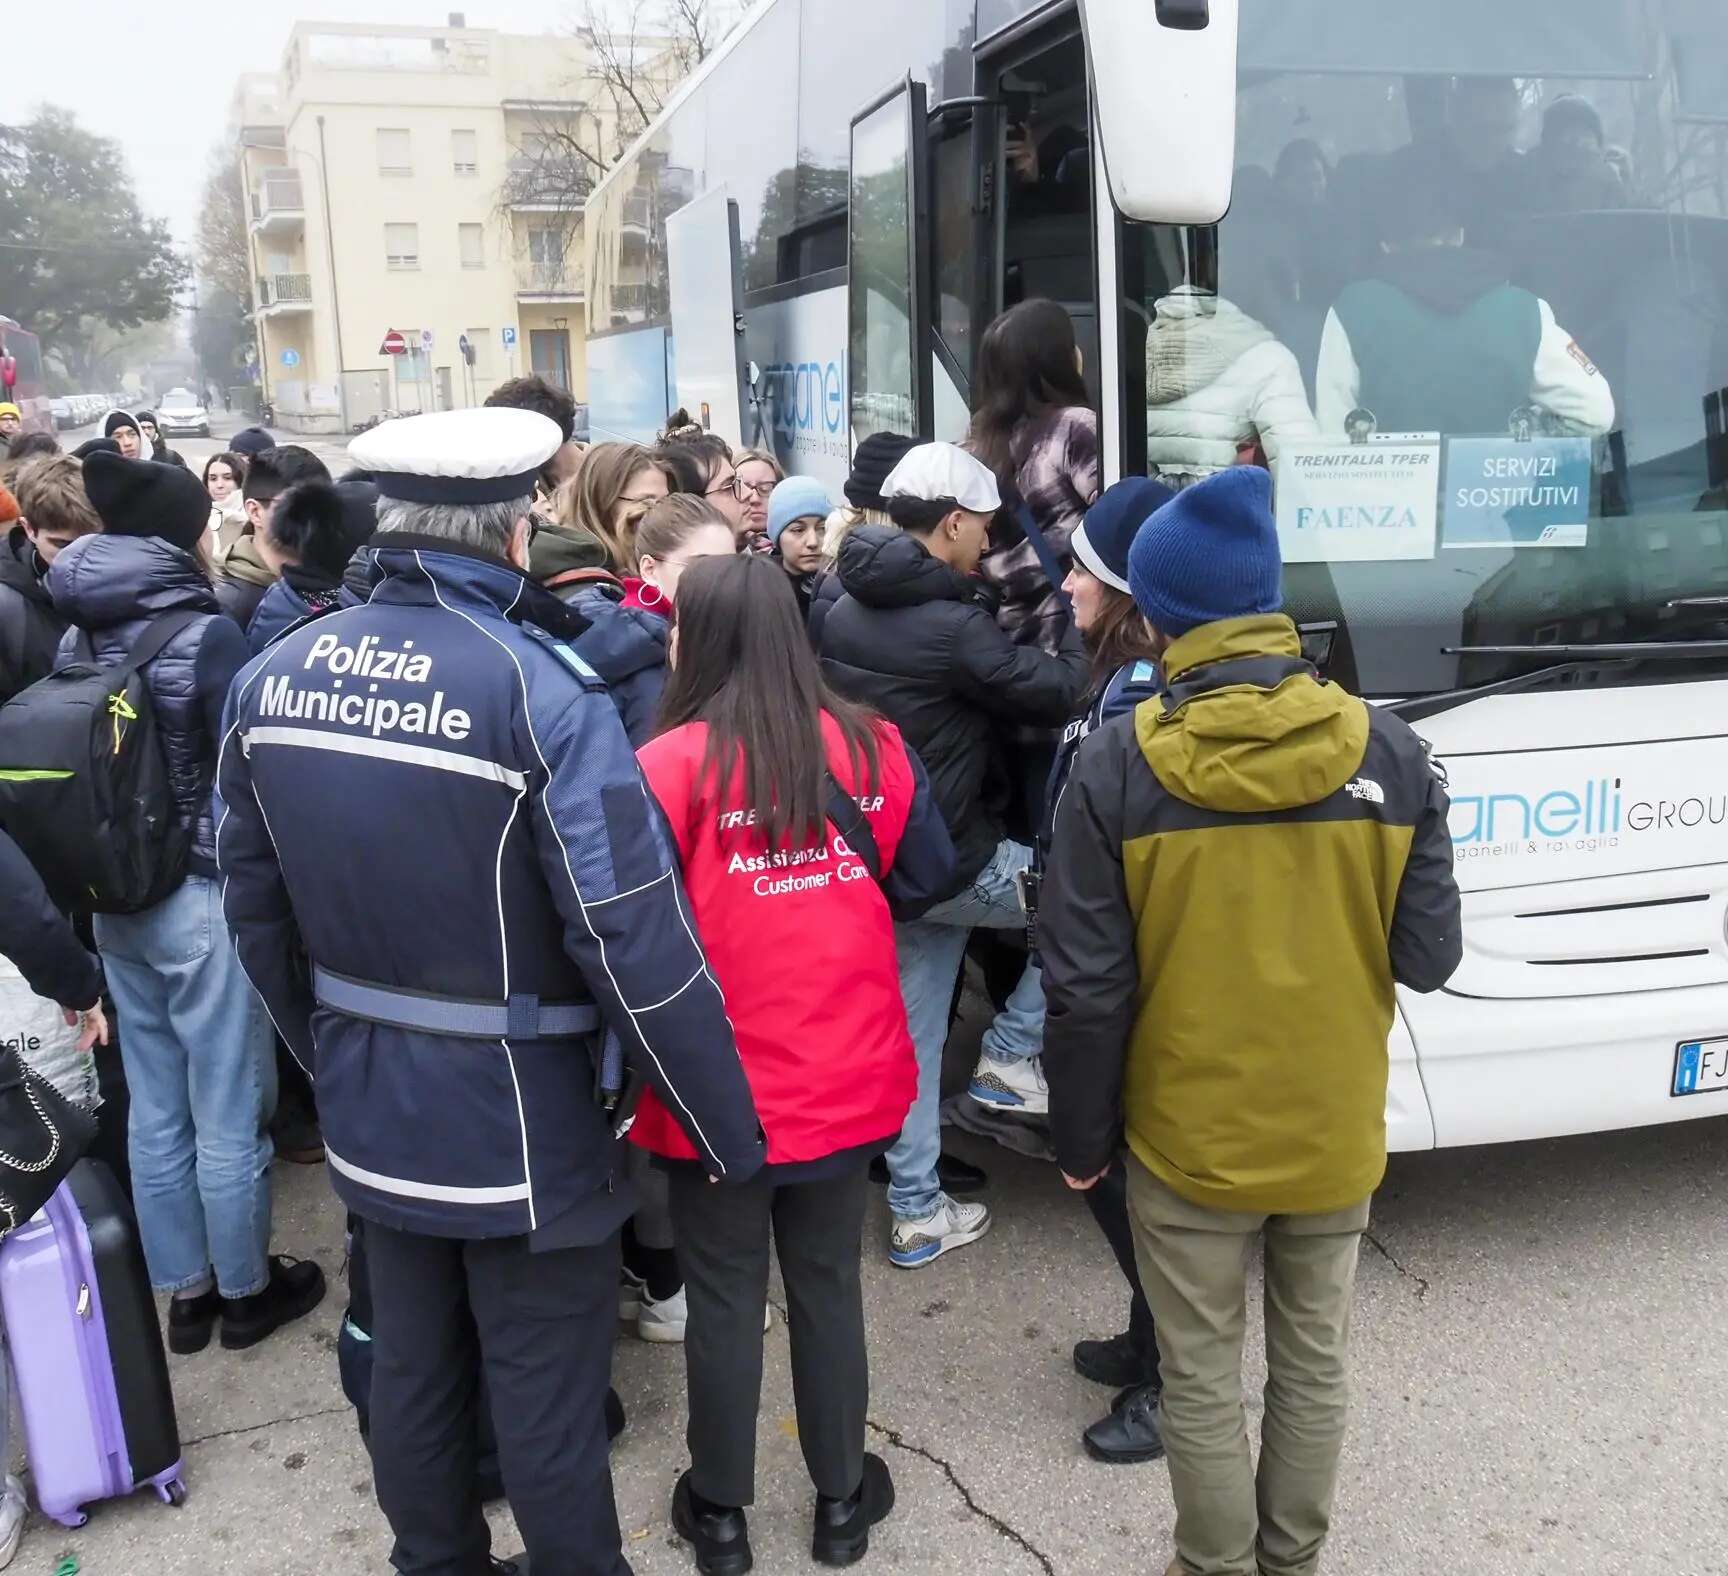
799	818
1033	425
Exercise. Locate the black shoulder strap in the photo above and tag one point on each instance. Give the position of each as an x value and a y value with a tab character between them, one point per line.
1046	559
148	646
854	826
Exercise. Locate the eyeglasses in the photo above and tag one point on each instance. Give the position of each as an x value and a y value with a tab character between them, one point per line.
735	486
756	489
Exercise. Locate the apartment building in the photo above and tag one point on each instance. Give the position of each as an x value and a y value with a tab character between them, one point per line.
390	177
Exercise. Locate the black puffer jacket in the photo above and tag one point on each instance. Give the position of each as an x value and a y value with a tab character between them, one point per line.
30	629
912	639
112	586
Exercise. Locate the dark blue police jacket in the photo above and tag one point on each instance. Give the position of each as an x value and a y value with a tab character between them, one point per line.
427	793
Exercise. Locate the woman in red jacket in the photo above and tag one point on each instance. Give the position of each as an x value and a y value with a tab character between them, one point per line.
799	819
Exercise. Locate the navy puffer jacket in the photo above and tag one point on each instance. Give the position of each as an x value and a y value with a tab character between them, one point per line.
626	647
111	587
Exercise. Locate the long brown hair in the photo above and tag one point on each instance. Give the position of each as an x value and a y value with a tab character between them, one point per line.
1120	636
605	474
745	668
668	525
1026	366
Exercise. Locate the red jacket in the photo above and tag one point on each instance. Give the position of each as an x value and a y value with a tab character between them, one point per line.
804	954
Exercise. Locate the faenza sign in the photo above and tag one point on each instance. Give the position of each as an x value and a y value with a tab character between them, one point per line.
1344	502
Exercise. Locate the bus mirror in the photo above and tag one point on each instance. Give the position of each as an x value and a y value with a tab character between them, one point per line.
1164	82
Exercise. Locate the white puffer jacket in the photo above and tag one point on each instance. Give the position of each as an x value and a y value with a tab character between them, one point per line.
1217	380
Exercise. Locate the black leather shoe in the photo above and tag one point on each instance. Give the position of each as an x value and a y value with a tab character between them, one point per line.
1130	1432
295	1288
842	1535
191	1321
719	1538
516	1565
952	1173
1115	1362
615	1419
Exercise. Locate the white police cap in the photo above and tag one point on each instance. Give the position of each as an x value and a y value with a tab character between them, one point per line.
940	470
487	455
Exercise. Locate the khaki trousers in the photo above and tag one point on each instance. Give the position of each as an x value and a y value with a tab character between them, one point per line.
1230	1520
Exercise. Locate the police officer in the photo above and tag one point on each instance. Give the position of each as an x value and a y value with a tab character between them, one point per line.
444	877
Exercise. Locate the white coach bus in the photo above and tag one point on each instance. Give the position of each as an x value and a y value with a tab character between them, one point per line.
1513	527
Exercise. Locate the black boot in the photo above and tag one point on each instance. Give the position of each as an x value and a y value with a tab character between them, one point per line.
191	1321
719	1536
295	1288
1130	1433
516	1565
842	1535
1115	1361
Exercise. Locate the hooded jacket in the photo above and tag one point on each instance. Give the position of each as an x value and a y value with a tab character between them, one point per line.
914	640
430	794
30	629
111	587
1217	382
626	646
1440	339
1241	871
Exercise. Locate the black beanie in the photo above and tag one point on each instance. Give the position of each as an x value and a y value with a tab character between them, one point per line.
250	441
95	446
142	498
877	455
118	419
324	523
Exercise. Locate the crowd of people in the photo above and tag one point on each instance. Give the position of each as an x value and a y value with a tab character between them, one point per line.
509	772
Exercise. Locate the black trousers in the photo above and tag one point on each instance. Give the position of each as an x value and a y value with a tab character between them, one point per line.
722	1239
1108	1202
542	1325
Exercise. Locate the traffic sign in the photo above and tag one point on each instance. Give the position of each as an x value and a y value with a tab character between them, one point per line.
426	340
394	345
466	346
509	338
290	357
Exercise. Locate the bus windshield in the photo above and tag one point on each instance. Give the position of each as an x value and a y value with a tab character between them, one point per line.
1470	304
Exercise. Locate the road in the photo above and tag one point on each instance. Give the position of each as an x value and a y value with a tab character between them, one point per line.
195	451
1534	1392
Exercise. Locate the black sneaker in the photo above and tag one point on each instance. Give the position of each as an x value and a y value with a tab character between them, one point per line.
516	1565
191	1321
719	1538
296	1288
953	1174
842	1534
1130	1433
1115	1362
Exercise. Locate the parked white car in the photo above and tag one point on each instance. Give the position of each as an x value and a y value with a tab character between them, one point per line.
182	413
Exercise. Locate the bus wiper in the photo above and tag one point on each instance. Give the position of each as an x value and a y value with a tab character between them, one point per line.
1604	657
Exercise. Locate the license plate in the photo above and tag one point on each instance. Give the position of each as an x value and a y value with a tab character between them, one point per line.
1700	1066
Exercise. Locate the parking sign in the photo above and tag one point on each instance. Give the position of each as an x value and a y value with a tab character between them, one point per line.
509	338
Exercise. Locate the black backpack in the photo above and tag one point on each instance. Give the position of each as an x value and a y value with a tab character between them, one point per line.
84	785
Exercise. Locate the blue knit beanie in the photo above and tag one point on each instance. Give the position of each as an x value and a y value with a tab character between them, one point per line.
1102	542
1210	553
793	499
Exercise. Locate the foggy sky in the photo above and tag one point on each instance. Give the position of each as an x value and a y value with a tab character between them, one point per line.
159	77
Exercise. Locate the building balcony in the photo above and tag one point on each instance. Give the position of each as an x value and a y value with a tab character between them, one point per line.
282	294
549	281
278	208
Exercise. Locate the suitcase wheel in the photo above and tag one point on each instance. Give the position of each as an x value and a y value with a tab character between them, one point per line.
173	1493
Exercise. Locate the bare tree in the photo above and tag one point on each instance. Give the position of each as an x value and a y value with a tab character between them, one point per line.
222	245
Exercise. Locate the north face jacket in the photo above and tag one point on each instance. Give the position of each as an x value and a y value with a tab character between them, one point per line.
1241	871
111	587
916	642
30	629
432	795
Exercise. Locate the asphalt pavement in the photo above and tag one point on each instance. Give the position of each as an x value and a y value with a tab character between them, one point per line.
1534	1392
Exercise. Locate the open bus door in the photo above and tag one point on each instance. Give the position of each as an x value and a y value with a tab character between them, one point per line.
707	356
887	254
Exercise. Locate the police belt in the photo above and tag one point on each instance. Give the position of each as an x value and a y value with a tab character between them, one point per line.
518	1018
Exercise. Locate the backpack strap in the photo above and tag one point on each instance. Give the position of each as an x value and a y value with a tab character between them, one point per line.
1046	558
148	646
854	826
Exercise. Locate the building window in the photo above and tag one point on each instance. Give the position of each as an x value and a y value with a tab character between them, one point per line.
546	246
402	245
471	244
395	151
465	152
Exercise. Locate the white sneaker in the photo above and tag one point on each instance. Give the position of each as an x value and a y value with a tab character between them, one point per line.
915	1243
632	1290
1017	1086
13	1512
664	1322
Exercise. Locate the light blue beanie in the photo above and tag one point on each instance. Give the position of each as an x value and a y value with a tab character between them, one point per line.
793	499
1211	553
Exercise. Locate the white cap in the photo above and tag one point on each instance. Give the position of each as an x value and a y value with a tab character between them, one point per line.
940	470
487	455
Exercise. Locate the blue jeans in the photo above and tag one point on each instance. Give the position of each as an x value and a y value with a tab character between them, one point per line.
197	1048
931	951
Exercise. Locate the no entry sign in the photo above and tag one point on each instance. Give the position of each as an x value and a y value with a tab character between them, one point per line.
394	345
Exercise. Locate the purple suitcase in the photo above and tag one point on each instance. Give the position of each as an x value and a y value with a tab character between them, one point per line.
88	1366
